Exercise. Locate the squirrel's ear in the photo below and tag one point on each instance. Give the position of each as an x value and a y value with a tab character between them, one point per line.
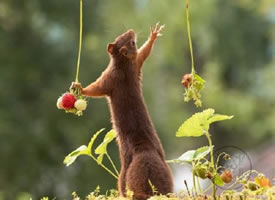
123	51
110	48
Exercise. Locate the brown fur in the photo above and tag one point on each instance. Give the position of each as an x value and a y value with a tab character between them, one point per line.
141	153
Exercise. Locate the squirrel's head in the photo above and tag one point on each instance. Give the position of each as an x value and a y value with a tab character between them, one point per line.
124	46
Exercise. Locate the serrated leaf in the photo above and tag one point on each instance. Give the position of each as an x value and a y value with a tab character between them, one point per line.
90	145
196	124
201	152
69	159
198	84
102	148
218	180
199	78
187	156
192	155
218	117
190	128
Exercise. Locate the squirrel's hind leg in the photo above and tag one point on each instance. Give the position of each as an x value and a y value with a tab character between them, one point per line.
122	182
148	167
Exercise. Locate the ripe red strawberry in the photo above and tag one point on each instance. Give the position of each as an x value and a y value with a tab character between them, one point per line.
226	176
68	101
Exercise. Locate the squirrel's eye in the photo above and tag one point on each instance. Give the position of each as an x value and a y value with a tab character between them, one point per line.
133	43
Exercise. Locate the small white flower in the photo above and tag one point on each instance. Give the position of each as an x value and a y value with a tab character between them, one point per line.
80	104
59	103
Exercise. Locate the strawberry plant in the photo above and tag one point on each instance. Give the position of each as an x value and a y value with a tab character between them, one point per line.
192	82
196	126
100	151
253	183
73	101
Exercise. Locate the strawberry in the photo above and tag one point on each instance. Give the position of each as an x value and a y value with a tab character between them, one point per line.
68	101
59	103
186	80
226	176
252	186
263	181
201	172
80	104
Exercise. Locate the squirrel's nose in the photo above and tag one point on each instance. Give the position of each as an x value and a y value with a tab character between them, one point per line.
131	32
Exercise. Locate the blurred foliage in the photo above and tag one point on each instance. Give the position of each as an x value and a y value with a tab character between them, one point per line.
234	52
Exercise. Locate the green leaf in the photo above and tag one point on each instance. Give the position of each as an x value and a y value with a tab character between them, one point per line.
199	78
218	117
199	83
218	180
90	145
196	124
192	155
187	156
202	152
102	148
69	159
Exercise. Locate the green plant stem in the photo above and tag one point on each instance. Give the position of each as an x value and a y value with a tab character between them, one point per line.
270	196
212	161
104	167
194	179
80	41
194	184
211	148
189	36
218	159
199	186
113	165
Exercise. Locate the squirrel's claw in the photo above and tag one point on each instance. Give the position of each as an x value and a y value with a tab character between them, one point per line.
155	31
75	85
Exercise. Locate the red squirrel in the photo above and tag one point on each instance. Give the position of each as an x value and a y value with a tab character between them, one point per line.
141	153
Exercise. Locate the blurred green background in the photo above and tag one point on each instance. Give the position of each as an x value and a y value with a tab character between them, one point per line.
234	48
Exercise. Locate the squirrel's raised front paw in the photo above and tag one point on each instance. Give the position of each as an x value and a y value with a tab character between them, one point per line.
75	85
155	31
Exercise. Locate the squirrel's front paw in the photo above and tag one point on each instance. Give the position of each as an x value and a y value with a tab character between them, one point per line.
75	85
155	31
